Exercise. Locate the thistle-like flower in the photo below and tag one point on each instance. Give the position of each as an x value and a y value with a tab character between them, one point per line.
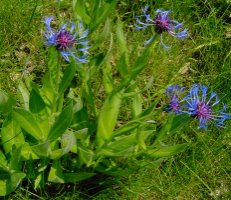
69	41
173	93
161	23
201	106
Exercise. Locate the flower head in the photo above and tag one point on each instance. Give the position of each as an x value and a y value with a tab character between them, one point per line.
200	105
161	23
67	40
173	93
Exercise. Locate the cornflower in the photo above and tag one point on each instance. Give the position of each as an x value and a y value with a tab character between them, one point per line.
161	23
67	40
201	106
173	93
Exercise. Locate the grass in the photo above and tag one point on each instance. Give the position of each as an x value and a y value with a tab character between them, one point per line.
203	170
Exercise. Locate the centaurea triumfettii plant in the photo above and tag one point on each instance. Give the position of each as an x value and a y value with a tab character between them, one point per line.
70	39
161	23
201	105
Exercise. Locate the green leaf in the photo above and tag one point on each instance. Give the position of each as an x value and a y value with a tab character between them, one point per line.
9	183
103	35
80	9
107	78
101	13
25	94
122	146
54	67
3	162
15	163
122	44
127	128
27	153
36	102
173	124
86	155
62	122
139	65
42	150
166	151
88	96
6	102
80	116
108	118
15	179
4	187
38	180
27	121
55	174
122	65
68	141
77	177
142	136
11	134
136	104
67	77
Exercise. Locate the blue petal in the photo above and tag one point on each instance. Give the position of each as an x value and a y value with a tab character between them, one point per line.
47	22
149	41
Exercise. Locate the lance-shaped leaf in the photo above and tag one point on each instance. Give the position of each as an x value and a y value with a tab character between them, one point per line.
166	151
27	121
122	45
122	65
54	68
173	124
67	77
55	174
8	183
136	104
11	134
62	122
142	136
42	150
80	9
108	118
77	177
36	103
138	66
100	13
122	146
107	78
86	155
25	94
127	128
68	141
3	162
103	35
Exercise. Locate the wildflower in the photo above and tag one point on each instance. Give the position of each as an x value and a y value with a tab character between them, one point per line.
66	41
174	92
161	23
202	107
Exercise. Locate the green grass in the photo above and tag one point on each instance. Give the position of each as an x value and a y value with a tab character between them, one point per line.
203	170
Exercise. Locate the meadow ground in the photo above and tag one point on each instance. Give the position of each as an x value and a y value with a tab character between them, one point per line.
203	171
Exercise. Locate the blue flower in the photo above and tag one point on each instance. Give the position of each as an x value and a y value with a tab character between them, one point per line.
174	93
200	105
69	41
161	23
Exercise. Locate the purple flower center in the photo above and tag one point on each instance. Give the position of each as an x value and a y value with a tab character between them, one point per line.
162	24
175	104
203	111
64	40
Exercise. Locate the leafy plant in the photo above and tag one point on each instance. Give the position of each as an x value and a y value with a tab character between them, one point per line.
56	132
